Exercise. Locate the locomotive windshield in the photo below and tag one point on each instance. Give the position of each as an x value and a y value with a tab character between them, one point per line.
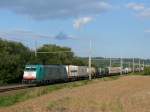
30	69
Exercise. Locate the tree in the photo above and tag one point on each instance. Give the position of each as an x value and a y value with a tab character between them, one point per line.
13	57
55	55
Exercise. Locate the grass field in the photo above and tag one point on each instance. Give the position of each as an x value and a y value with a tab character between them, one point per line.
115	94
11	98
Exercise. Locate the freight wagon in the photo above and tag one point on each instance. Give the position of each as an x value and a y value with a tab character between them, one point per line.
127	70
54	73
108	71
114	70
102	72
119	70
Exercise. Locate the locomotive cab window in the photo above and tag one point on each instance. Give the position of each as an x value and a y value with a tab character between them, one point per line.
30	69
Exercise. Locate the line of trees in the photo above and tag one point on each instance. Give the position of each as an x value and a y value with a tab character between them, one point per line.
14	56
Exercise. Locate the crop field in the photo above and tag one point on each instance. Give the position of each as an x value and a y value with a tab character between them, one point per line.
116	94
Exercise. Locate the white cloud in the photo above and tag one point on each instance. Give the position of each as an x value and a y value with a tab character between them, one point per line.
147	31
142	10
78	23
136	6
145	13
55	9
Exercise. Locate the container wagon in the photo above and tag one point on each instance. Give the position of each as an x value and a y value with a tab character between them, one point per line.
114	70
103	72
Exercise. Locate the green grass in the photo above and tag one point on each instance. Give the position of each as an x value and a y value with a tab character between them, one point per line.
10	100
111	78
21	95
137	73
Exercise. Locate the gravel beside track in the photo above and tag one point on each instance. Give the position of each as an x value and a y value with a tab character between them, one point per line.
15	87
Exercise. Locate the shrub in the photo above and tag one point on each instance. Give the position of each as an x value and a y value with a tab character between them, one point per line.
146	71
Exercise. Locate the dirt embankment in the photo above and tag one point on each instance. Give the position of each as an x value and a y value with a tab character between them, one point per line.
126	94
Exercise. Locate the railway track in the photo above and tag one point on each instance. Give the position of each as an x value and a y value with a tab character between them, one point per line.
21	86
15	87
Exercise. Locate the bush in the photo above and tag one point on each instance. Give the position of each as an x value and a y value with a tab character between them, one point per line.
146	71
13	57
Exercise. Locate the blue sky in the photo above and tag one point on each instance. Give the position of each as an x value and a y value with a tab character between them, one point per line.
116	27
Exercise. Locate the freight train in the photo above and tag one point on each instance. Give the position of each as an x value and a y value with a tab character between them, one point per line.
55	73
44	74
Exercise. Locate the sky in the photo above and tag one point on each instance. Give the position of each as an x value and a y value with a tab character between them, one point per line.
117	28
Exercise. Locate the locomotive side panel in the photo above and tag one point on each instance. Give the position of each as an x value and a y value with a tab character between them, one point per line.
54	73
